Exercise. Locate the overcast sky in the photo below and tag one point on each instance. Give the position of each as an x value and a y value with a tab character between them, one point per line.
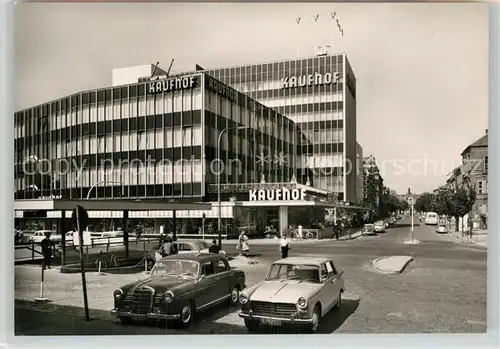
421	69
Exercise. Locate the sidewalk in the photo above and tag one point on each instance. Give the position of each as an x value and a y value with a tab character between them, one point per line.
276	242
66	289
479	237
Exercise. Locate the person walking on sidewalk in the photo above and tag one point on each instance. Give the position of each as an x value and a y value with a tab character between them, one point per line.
284	246
46	251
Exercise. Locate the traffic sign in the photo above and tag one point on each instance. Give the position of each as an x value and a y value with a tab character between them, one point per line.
411	201
82	216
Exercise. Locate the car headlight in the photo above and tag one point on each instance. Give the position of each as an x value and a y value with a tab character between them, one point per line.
243	298
168	296
118	294
302	303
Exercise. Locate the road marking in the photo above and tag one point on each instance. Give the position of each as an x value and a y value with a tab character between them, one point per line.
231	319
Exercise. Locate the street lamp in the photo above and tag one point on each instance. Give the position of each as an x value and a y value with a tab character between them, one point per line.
218	176
95	185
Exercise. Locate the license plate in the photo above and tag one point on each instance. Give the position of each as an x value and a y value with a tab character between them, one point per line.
270	322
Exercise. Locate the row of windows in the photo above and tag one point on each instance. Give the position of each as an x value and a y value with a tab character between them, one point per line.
277	67
307	99
334	184
120	192
125	110
272	84
324	136
326	115
321	161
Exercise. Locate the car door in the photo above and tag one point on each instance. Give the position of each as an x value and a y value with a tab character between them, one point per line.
224	278
328	295
336	279
208	285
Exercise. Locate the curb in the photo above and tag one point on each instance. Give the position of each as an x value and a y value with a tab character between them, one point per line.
403	267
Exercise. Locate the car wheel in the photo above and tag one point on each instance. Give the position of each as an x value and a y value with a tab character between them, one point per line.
339	302
235	294
187	314
315	319
252	325
125	320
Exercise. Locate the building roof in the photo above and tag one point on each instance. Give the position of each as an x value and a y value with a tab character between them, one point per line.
481	142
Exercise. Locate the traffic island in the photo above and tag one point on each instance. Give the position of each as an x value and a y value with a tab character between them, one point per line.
412	242
391	264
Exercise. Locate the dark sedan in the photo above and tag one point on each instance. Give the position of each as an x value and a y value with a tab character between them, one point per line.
177	287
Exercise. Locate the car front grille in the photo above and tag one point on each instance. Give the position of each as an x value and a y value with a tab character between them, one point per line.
273	309
142	300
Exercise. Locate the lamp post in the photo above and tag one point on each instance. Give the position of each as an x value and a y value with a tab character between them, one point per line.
97	184
218	177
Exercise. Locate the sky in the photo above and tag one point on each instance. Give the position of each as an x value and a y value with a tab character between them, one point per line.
421	69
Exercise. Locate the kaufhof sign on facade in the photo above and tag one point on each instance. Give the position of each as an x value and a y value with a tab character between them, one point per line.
281	194
183	83
310	80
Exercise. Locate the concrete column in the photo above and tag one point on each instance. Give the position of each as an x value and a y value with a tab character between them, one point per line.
174	223
63	237
157	225
283	215
125	232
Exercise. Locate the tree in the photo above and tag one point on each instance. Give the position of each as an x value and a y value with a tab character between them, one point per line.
425	203
454	201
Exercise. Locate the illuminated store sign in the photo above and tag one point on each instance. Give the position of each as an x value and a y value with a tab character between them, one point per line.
277	194
184	83
310	80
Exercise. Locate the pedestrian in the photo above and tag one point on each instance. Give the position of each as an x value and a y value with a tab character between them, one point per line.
46	251
215	248
284	246
299	232
242	246
336	230
168	248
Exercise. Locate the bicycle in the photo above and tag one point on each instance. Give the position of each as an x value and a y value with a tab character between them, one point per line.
106	261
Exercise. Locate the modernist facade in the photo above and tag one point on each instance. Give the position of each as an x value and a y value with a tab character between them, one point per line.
319	95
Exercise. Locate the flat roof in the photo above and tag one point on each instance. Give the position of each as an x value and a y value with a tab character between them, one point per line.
107	205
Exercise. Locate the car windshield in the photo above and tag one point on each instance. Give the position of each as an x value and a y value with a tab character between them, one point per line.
179	268
299	272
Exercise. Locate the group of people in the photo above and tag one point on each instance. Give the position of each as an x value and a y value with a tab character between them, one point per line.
340	227
243	247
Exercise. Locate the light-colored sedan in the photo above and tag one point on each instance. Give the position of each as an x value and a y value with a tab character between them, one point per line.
296	290
379	227
190	246
39	235
442	229
368	229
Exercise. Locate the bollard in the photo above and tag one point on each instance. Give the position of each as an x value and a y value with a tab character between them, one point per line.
42	299
99	272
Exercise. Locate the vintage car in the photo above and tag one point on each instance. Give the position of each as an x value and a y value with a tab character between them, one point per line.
297	290
177	287
183	247
379	227
368	229
441	229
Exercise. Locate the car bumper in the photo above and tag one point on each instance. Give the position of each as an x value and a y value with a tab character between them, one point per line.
148	316
282	320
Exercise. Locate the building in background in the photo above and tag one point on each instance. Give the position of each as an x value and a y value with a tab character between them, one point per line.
359	174
474	169
319	95
373	183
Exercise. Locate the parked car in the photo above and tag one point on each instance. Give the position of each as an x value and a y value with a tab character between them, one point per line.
39	235
177	287
441	229
296	290
379	227
368	229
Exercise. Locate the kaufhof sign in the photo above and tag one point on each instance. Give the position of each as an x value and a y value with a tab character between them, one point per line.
282	194
183	83
310	80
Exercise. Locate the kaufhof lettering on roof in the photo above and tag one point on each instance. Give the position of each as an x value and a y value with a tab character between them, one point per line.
310	80
169	85
277	194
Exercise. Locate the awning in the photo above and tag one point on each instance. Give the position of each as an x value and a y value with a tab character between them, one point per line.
107	205
299	203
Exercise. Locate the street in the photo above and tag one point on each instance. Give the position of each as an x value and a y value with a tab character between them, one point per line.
442	290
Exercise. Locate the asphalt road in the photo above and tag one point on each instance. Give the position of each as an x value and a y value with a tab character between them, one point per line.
442	291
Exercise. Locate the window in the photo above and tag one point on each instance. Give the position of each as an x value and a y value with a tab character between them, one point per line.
324	272
486	163
480	187
220	266
331	269
184	247
208	269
